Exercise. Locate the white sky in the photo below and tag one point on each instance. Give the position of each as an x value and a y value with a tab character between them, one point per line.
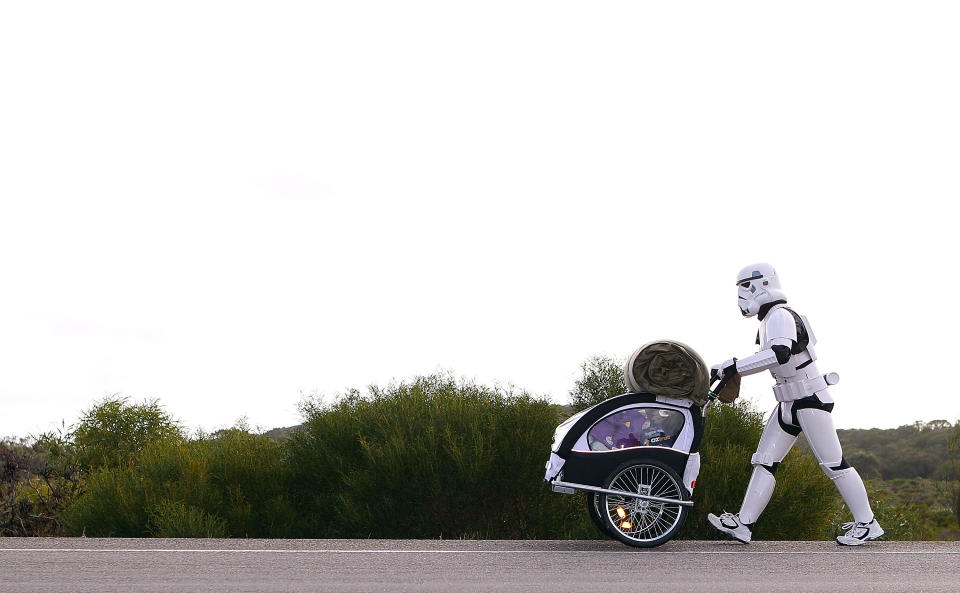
224	205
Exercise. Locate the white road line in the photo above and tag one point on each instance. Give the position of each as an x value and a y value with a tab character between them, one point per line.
660	552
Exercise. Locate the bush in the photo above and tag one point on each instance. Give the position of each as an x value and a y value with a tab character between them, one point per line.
31	495
113	430
429	458
231	483
956	501
803	503
108	435
953	447
175	519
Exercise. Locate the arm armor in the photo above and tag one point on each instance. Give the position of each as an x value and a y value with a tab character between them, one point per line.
755	363
776	353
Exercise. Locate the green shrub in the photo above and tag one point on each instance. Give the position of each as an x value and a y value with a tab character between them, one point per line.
32	494
232	479
956	502
432	457
953	447
175	519
113	430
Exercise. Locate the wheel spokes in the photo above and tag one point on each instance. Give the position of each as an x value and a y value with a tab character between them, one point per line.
644	520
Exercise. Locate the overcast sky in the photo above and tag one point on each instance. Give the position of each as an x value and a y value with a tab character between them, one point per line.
226	205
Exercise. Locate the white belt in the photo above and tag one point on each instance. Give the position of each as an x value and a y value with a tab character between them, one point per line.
788	392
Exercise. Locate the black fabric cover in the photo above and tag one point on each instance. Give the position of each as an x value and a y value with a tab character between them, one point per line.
593	468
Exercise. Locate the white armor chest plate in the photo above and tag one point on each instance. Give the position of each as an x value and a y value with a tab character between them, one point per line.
780	327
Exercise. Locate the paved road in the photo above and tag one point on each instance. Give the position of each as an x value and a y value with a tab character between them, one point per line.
140	565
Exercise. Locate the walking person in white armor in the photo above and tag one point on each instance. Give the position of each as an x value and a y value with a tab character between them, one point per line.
803	405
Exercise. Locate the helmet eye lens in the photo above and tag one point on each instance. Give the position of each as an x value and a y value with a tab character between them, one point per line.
745	284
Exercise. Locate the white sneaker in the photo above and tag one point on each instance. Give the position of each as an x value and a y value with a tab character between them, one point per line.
731	525
859	533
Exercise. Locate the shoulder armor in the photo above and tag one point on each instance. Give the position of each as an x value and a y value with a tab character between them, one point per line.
779	323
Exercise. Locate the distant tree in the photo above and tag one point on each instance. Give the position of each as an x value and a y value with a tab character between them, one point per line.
866	463
601	377
917	450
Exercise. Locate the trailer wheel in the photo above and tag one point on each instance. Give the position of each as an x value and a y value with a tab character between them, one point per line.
638	522
596	515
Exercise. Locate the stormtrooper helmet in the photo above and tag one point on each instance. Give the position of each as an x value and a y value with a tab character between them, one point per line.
757	285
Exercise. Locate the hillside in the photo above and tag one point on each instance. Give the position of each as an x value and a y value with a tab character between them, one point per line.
917	450
281	434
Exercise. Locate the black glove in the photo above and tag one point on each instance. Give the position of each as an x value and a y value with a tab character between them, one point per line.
730	370
724	370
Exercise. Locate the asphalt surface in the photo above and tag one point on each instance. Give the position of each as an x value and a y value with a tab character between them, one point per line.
50	565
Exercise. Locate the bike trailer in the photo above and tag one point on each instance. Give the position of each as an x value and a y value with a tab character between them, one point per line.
637	457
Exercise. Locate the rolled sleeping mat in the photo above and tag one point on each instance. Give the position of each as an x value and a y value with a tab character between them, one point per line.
670	369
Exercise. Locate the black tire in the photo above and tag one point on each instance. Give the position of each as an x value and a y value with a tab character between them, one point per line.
593	508
637	522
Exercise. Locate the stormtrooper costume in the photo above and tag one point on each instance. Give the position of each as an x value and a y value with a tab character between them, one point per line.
804	404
